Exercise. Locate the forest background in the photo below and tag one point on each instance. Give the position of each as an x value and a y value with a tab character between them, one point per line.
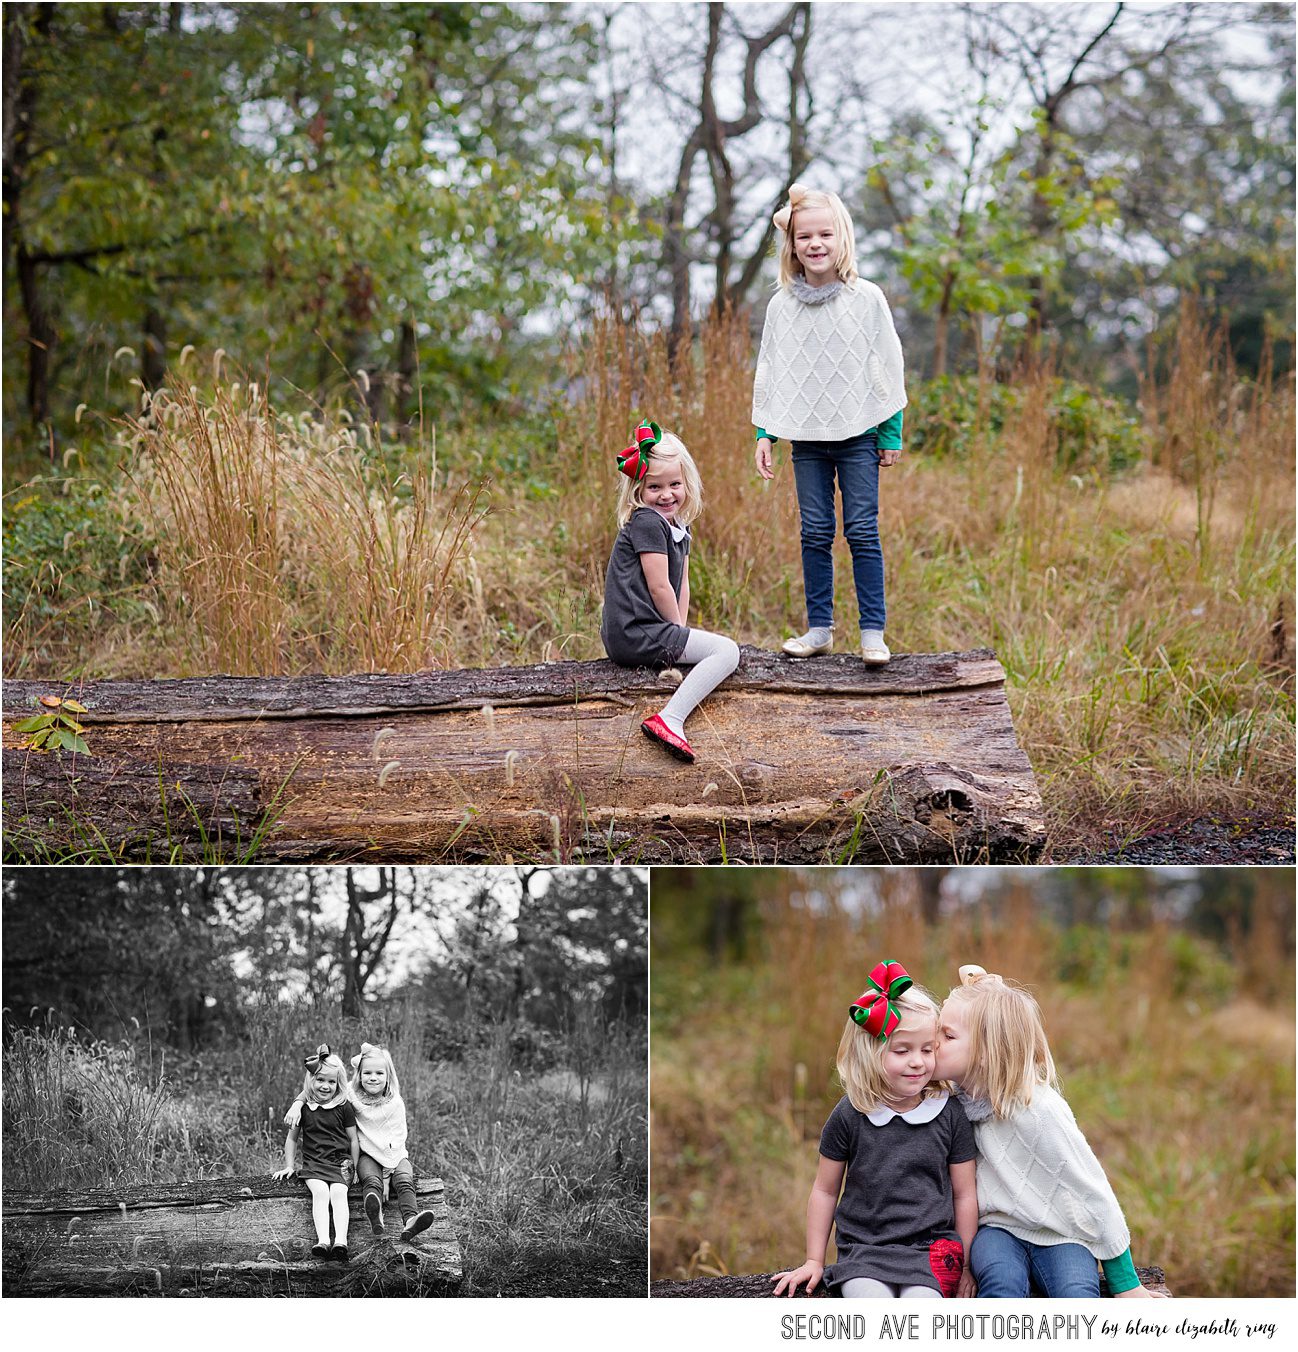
156	1019
1168	1001
322	323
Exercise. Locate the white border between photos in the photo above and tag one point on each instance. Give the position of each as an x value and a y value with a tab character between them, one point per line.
629	1325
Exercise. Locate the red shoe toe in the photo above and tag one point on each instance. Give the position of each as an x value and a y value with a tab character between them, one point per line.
658	731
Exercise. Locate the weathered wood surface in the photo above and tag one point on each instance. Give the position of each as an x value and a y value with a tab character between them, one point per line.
797	761
229	1236
762	1285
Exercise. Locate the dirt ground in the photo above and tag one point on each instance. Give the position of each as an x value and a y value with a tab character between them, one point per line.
1206	840
577	1272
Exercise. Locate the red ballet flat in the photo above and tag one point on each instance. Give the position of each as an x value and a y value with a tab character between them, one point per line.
658	731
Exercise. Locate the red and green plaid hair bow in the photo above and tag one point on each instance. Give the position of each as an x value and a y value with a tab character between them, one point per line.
634	461
321	1053
875	1010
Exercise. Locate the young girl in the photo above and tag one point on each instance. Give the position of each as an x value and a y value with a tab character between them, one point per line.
908	1210
647	586
830	378
380	1112
1046	1210
330	1149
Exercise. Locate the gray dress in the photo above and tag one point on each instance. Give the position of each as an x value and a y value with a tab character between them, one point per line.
896	1218
633	632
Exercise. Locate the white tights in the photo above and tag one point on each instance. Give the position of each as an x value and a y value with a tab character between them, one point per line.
322	1196
871	1289
713	658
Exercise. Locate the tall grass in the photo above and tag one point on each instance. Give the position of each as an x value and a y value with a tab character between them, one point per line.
1180	1076
83	1114
1133	570
286	541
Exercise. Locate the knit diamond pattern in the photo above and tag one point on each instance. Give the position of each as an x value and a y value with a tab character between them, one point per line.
1039	1179
828	372
382	1129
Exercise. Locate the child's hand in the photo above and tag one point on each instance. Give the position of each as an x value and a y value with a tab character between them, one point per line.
294	1114
762	458
1139	1292
967	1288
283	1173
809	1272
889	456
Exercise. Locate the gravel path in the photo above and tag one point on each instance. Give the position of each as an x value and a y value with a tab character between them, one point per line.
1205	841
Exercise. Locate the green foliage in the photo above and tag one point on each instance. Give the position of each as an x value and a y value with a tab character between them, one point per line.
73	565
979	232
308	181
1091	430
57	730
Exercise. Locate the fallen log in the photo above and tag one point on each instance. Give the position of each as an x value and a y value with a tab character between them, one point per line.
762	1285
825	759
224	1237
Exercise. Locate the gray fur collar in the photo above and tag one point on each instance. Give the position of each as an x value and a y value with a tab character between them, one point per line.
975	1109
815	295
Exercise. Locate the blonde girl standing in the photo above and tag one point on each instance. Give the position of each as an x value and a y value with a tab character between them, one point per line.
900	1150
831	379
647	583
1046	1209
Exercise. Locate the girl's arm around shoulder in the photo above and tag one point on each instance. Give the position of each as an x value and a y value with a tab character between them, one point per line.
820	1219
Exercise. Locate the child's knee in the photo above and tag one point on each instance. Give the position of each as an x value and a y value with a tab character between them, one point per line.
730	651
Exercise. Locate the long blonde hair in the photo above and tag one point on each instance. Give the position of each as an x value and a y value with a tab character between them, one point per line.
669	448
860	1054
1006	1038
801	198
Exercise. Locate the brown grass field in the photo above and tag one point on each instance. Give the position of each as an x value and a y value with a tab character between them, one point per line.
1132	569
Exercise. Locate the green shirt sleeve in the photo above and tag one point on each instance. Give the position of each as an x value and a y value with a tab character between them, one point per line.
889	432
1120	1273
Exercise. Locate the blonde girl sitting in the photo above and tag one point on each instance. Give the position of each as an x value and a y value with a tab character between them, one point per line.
1046	1210
900	1149
647	584
330	1149
380	1111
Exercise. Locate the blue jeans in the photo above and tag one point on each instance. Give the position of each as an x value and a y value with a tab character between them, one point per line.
1006	1267
856	464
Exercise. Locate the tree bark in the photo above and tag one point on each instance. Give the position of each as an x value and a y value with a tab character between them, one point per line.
826	759
762	1285
228	1236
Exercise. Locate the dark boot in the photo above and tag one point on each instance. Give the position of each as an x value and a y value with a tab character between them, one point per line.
416	1225
374	1210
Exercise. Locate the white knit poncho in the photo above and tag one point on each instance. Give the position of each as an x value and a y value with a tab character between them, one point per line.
828	372
1039	1179
382	1129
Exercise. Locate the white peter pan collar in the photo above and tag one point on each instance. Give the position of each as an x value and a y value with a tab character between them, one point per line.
925	1111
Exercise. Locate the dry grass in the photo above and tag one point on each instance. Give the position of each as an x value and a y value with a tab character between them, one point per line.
743	1078
284	543
1144	615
